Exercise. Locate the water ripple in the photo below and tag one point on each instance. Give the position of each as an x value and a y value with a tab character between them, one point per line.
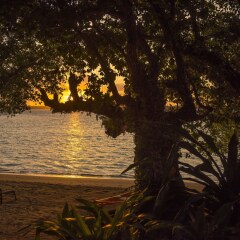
70	144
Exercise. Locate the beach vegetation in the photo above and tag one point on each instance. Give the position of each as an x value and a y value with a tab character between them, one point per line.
223	168
95	223
219	174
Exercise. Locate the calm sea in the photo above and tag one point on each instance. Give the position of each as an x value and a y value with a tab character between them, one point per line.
68	144
40	142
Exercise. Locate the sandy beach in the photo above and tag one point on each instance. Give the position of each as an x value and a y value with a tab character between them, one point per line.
44	197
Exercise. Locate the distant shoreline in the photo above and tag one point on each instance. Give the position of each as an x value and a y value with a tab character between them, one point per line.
38	107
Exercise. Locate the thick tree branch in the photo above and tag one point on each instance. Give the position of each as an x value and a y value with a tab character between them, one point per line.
73	82
170	34
136	69
100	107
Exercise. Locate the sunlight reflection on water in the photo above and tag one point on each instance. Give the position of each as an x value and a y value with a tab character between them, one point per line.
71	144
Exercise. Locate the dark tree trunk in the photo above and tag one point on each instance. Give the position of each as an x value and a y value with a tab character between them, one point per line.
154	142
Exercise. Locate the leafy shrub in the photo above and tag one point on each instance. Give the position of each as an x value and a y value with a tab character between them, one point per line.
218	217
99	224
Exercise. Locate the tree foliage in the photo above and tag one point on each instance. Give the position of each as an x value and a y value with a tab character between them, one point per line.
180	53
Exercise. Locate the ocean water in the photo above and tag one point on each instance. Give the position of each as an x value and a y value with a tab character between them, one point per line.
67	144
39	142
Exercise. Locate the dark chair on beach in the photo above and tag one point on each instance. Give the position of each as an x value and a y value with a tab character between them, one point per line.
7	192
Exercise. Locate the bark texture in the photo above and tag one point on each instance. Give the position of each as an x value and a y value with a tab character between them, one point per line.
154	144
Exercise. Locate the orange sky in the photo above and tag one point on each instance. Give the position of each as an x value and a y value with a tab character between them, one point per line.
119	83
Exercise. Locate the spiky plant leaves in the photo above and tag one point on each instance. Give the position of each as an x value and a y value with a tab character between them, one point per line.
161	200
97	227
88	206
204	179
206	165
143	163
212	146
222	188
83	227
65	212
116	221
130	167
233	166
169	165
51	228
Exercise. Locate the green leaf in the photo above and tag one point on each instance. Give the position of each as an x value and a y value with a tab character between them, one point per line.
130	167
94	209
89	206
98	226
106	215
82	225
196	180
207	161
161	199
198	174
169	163
143	162
195	152
210	142
116	220
65	212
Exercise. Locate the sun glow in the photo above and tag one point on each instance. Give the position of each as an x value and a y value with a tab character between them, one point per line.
66	94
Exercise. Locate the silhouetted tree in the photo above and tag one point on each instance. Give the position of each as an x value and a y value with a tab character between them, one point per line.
178	58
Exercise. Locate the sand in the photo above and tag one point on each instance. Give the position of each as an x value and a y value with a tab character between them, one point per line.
40	196
44	197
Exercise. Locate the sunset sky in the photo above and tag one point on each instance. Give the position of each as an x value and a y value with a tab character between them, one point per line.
66	92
